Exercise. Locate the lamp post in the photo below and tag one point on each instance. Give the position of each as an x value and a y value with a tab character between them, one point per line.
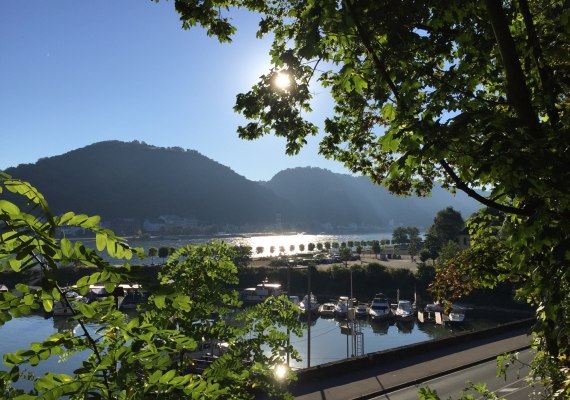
288	294
308	310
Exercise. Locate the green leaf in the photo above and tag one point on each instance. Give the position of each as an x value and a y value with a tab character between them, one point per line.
389	143
110	287
160	301
359	83
8	207
167	377
388	112
48	304
65	218
86	309
101	240
66	247
15	264
153	379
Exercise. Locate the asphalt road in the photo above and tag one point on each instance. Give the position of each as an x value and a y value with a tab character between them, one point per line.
514	387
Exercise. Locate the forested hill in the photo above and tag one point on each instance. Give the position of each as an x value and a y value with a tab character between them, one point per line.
135	180
328	196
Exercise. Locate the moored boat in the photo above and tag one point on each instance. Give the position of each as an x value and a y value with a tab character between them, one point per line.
456	315
327	310
261	292
404	311
309	304
341	307
379	308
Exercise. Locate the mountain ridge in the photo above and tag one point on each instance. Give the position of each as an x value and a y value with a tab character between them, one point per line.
135	180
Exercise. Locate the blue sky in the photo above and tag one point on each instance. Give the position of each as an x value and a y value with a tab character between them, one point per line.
79	72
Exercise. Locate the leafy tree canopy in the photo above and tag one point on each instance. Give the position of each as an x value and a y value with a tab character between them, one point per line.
150	355
405	234
447	224
470	93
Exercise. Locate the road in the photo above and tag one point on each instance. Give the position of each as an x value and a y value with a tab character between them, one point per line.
514	387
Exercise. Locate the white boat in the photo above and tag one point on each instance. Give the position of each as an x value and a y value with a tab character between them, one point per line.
379	308
404	311
261	292
341	307
309	304
327	310
456	316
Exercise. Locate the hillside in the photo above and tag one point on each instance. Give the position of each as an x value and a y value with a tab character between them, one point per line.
134	180
324	195
137	181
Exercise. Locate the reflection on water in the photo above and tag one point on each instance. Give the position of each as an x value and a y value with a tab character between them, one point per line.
378	327
63	324
328	343
405	326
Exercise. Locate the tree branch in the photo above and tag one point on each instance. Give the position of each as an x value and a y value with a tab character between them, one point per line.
543	71
481	199
517	91
45	269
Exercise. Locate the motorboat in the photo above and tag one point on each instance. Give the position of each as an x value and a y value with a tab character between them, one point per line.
404	311
261	292
327	310
456	316
341	307
309	304
379	308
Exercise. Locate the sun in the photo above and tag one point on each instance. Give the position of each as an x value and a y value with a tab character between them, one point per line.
282	80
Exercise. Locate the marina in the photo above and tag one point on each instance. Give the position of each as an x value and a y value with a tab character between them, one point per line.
328	339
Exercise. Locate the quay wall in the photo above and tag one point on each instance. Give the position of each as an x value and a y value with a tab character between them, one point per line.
382	357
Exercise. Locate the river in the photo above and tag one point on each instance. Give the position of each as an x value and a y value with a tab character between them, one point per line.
327	342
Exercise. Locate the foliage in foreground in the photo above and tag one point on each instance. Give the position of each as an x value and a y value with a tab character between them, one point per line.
472	94
151	354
